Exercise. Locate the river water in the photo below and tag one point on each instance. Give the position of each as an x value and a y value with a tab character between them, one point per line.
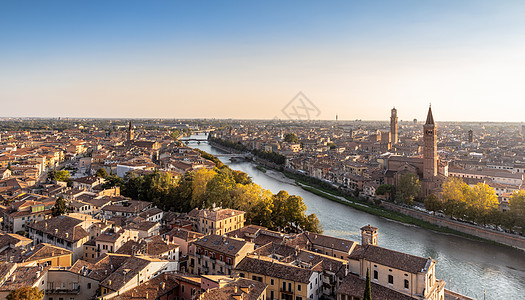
473	268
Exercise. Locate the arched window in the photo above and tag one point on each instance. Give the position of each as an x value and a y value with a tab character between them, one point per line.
376	275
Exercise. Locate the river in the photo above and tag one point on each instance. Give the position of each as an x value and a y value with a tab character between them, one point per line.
470	267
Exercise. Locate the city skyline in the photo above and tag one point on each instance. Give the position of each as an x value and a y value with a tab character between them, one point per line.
249	60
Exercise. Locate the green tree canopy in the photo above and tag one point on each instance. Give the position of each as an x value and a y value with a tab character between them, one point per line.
222	187
432	203
517	203
291	138
26	293
386	189
408	188
59	208
62	175
102	173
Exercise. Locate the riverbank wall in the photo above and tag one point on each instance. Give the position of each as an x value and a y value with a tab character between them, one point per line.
499	237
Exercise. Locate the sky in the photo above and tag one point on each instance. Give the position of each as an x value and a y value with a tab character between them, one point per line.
249	59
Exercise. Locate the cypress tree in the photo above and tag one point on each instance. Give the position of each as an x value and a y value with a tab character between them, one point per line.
368	289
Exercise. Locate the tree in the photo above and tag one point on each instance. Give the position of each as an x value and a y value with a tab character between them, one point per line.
432	203
517	203
26	293
102	173
386	189
200	179
367	295
112	181
481	200
408	187
62	175
175	134
59	208
241	177
218	189
291	138
454	189
312	224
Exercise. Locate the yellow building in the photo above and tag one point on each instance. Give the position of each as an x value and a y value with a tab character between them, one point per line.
284	281
217	221
47	255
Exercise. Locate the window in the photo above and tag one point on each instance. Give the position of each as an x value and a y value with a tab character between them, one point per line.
390	279
376	275
183	288
89	285
299	287
284	286
406	283
298	298
242	275
271	281
289	286
271	295
254	277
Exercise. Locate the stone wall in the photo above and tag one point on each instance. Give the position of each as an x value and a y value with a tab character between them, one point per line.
499	237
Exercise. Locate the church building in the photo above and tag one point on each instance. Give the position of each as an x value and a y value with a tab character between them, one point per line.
430	170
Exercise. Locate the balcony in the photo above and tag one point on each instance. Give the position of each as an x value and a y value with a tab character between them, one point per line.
284	291
59	291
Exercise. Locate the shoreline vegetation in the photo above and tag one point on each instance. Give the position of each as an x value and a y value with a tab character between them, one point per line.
261	168
375	209
327	191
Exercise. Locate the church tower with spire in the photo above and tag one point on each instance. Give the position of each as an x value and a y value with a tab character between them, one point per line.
430	167
393	125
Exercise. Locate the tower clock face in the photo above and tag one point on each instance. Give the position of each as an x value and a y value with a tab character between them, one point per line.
429	132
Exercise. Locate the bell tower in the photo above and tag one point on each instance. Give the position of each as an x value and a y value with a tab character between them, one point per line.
131	133
393	125
368	235
430	147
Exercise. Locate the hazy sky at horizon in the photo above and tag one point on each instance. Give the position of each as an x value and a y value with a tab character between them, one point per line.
248	59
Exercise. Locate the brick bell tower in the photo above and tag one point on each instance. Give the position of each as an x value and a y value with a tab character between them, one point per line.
393	125
430	166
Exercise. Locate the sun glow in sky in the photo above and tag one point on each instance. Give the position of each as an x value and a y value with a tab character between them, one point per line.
248	59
